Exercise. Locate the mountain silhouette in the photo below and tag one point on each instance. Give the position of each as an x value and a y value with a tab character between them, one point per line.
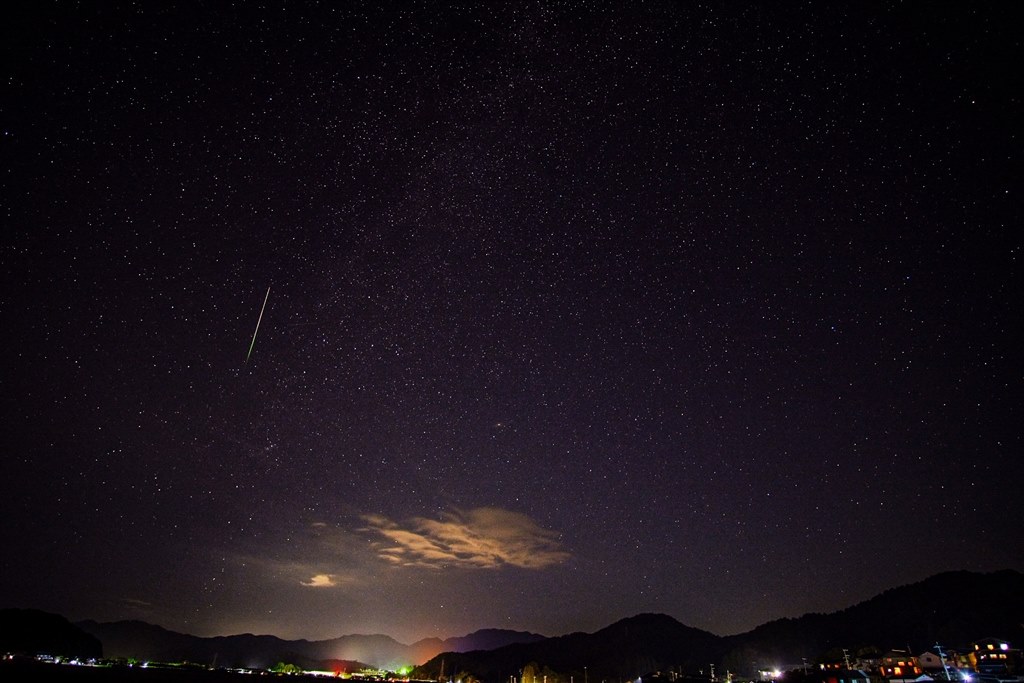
646	642
33	632
140	640
953	608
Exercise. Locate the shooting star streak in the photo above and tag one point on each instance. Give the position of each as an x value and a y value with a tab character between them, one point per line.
258	321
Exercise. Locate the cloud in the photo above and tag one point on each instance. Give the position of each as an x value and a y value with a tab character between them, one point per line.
136	606
315	554
320	581
484	538
135	602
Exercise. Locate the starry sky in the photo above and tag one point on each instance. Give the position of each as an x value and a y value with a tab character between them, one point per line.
575	311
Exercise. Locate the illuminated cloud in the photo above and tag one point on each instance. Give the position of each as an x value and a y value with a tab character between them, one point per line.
135	602
320	581
138	607
311	573
484	538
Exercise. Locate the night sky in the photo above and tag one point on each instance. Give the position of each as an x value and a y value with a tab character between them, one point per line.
576	311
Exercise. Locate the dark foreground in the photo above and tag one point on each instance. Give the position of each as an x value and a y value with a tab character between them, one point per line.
13	671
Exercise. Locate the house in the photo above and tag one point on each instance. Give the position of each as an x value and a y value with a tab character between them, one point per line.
930	662
899	664
995	656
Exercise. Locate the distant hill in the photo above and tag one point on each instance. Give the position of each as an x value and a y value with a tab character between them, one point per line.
484	639
142	641
647	642
32	632
139	640
953	609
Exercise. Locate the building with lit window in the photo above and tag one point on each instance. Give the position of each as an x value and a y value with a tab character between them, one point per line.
995	656
899	664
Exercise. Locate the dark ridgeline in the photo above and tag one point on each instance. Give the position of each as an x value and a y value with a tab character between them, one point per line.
144	641
626	649
954	609
33	632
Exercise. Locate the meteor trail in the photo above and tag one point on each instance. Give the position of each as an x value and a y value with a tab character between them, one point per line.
258	321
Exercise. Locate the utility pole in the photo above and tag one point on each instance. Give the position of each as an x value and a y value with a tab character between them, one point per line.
942	656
